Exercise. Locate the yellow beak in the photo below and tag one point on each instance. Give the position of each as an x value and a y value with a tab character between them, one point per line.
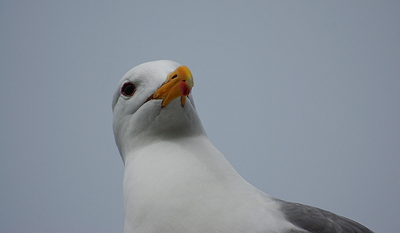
178	84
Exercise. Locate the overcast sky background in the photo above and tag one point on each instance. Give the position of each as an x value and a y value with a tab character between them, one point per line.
302	97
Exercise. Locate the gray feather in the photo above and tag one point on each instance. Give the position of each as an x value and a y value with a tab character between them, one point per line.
315	220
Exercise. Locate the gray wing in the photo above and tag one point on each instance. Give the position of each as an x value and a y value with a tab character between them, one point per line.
315	220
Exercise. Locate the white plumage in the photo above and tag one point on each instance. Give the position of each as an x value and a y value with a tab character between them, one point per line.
175	180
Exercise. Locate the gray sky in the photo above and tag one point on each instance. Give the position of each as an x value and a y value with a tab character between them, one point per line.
302	97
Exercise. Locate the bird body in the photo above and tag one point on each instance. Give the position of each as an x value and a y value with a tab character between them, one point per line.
171	187
175	180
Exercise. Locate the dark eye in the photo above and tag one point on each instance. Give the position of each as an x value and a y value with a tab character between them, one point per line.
128	89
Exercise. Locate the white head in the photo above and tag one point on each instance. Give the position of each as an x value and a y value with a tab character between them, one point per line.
153	102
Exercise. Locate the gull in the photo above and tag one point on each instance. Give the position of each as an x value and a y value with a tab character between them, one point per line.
176	180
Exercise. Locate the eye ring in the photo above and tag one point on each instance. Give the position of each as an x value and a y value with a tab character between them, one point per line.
128	89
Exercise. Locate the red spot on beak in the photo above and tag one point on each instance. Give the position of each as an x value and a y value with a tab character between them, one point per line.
185	90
